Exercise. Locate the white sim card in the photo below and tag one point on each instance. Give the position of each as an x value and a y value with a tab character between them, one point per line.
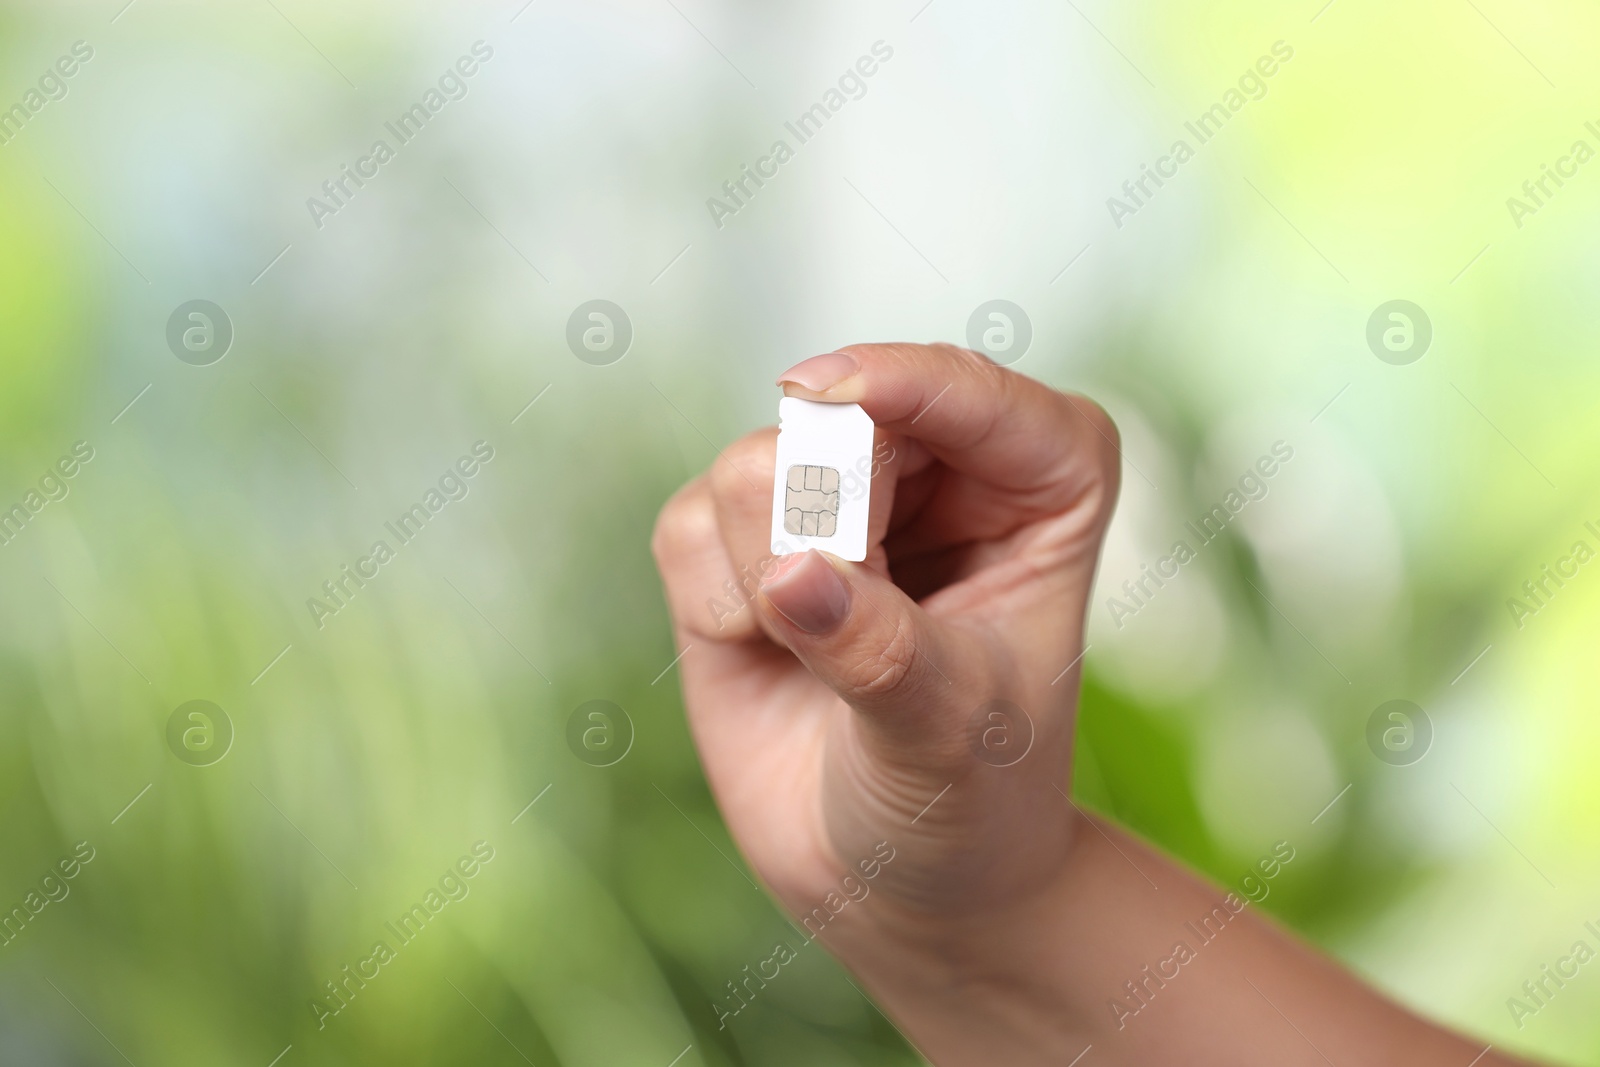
823	478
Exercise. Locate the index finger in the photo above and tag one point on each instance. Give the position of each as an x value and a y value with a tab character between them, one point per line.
978	418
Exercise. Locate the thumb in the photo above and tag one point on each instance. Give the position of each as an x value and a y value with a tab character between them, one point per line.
910	676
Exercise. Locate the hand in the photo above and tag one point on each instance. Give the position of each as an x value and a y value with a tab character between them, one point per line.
835	711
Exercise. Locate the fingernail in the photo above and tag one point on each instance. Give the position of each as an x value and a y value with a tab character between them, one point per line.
808	592
821	373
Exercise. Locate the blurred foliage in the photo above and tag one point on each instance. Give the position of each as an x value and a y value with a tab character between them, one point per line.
425	716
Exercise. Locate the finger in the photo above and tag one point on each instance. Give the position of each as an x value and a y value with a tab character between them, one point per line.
1035	450
908	675
741	492
741	690
1020	499
707	597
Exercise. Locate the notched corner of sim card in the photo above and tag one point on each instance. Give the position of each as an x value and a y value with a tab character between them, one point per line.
823	478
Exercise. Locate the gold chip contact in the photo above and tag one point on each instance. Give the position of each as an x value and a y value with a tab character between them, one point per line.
811	507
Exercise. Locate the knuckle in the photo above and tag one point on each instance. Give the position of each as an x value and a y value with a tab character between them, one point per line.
1108	442
888	670
687	519
1088	476
1099	418
962	356
745	466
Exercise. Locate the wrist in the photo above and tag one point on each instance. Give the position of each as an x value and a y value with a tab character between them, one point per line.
983	985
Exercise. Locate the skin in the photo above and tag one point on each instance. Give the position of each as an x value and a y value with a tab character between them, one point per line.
834	715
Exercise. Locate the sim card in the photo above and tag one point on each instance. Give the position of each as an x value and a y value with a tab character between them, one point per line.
823	478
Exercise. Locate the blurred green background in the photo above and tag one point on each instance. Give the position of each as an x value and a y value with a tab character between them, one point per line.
369	754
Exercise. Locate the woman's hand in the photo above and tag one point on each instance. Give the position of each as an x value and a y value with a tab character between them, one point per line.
846	705
890	745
